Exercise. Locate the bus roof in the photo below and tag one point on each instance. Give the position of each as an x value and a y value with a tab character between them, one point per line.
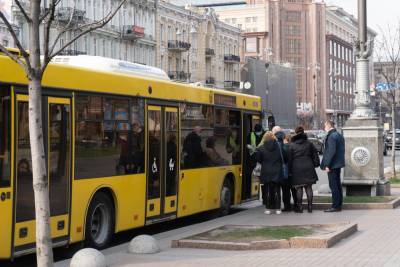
97	80
111	65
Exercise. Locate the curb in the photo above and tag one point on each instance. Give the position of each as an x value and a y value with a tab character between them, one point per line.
322	241
359	206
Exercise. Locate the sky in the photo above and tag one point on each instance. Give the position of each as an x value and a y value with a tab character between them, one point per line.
381	13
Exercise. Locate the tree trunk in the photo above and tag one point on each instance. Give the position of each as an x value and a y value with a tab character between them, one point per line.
44	251
394	138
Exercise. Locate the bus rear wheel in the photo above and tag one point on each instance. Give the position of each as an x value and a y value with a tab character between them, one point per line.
99	222
226	196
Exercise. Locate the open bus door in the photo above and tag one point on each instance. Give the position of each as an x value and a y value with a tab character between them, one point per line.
250	184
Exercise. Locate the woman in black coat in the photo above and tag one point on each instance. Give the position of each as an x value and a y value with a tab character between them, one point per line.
268	154
303	159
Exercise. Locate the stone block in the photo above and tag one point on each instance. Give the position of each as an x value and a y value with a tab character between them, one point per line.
143	244
88	257
364	156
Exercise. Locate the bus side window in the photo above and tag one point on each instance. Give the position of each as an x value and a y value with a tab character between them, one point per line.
5	137
109	136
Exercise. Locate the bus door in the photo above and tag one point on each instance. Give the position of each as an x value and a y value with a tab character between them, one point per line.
250	185
6	183
162	163
57	133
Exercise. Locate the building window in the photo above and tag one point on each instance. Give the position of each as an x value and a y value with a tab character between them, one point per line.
109	136
252	45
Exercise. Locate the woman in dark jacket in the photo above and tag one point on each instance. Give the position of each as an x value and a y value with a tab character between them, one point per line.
268	154
303	159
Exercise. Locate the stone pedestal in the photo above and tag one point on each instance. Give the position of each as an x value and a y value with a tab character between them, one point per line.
363	173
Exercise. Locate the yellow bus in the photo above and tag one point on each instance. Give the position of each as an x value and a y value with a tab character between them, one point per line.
125	147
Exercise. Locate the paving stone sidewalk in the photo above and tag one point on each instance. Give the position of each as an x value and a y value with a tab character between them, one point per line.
376	244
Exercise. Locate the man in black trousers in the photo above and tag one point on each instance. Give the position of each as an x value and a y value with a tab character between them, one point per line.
332	162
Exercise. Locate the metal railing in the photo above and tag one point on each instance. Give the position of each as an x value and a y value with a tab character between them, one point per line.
210	80
231	84
229	58
210	52
65	14
178	75
176	45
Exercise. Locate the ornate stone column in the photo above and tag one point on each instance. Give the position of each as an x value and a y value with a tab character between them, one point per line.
363	174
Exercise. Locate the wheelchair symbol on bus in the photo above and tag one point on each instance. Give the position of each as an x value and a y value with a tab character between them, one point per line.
154	168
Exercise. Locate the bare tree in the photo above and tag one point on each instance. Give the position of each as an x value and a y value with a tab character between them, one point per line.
38	18
388	61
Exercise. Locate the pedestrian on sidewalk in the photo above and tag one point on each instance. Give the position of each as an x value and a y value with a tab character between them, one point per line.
303	159
271	158
332	162
287	190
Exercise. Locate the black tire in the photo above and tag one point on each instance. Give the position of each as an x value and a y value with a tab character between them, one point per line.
226	196
100	222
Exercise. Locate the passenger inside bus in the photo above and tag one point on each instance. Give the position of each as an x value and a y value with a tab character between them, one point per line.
214	157
193	152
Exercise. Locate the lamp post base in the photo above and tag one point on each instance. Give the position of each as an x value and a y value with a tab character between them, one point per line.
363	173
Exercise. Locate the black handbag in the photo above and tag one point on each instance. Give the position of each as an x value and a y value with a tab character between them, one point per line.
285	167
315	157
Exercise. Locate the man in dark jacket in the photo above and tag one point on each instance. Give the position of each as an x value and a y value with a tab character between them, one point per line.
193	152
285	185
332	162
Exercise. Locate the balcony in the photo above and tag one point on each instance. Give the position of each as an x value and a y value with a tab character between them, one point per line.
210	80
178	46
132	32
231	59
65	14
178	75
210	52
231	84
72	52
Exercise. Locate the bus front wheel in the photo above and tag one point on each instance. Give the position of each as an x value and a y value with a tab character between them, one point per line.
99	222
226	195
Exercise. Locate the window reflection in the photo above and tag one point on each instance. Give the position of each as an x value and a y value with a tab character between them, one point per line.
25	199
197	126
109	136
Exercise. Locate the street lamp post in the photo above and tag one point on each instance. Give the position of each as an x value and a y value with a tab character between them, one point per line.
363	172
334	74
316	67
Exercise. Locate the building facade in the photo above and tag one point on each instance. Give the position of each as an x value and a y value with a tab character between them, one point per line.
193	45
5	37
130	35
288	32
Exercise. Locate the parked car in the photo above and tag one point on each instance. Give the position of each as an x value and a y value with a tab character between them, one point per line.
316	141
389	140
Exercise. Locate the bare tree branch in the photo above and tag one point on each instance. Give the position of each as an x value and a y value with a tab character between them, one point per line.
89	28
23	11
16	42
49	10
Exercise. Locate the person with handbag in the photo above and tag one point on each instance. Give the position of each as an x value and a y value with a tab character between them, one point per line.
303	159
287	190
273	171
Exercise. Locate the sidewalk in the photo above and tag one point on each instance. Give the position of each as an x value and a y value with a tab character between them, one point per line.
376	244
